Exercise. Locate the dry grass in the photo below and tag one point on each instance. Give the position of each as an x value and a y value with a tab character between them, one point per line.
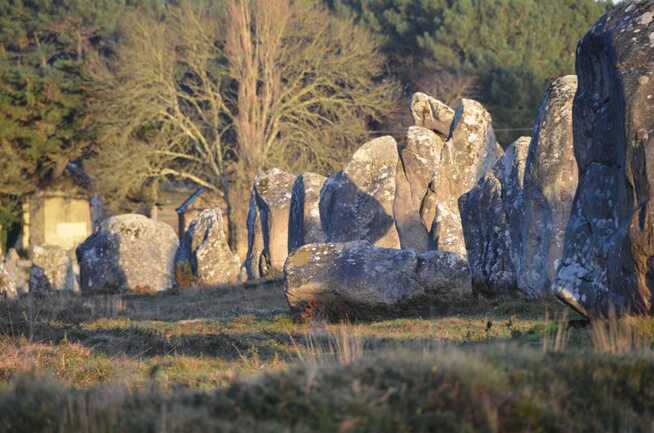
138	349
205	339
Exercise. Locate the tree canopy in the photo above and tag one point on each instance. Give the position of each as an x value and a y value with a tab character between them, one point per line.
502	52
210	91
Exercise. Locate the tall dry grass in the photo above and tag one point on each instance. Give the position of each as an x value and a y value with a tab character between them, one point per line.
342	343
619	336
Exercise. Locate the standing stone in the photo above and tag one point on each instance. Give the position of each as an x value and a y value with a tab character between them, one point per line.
128	253
490	214
304	225
420	159
255	265
54	269
8	288
18	271
357	203
351	277
551	180
204	258
608	260
431	113
470	152
268	222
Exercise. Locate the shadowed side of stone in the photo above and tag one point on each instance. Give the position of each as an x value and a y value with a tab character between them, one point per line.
357	203
490	214
608	260
304	223
268	223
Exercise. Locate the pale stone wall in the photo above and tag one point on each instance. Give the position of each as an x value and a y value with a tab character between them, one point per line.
67	221
55	219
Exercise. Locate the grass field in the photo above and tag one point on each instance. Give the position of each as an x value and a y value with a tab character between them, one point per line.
236	360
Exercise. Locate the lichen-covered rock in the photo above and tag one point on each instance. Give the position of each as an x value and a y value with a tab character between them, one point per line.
608	260
470	152
444	274
357	203
304	225
204	258
54	269
8	287
17	271
342	276
268	222
420	158
128	253
430	113
551	178
490	214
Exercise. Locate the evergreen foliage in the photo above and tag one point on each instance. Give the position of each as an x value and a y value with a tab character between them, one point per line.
502	52
512	48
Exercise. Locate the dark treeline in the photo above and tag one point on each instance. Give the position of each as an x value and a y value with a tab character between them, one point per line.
210	91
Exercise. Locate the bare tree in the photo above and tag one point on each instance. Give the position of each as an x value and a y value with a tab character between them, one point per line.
288	85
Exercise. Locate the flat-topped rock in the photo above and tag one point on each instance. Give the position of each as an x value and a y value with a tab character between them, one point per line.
350	278
128	253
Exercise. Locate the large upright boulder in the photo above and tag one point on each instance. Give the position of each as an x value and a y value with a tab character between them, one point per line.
470	152
54	269
551	178
204	258
255	265
357	203
128	253
353	277
490	214
268	222
608	261
420	159
304	225
430	113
